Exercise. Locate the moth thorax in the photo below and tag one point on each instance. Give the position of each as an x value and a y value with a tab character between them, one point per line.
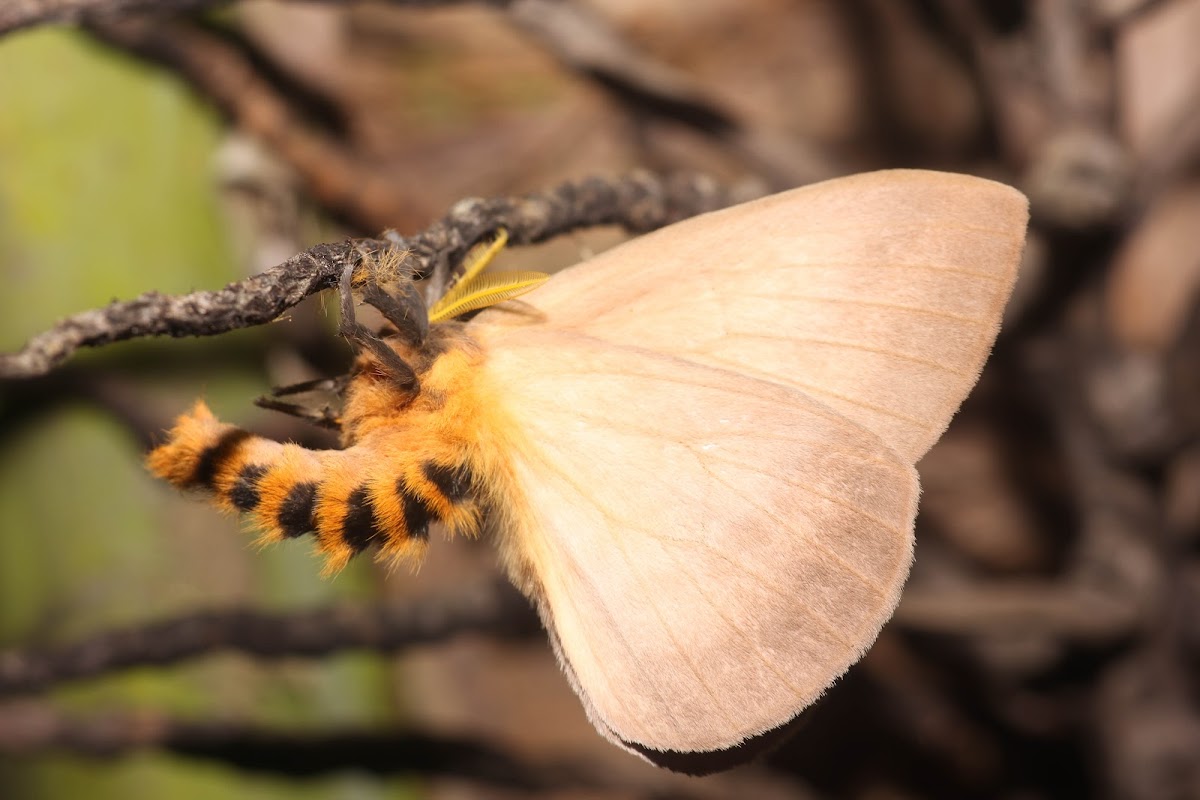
444	365
412	451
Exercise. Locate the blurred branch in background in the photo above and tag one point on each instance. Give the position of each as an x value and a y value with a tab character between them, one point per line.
585	43
18	14
1049	642
496	610
29	728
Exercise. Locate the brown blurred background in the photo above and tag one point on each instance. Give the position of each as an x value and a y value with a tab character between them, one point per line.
1048	643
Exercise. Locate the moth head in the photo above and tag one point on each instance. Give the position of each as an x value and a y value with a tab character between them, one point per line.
392	367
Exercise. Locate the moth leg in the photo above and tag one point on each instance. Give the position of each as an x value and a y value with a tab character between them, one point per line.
324	417
406	312
358	334
332	385
439	279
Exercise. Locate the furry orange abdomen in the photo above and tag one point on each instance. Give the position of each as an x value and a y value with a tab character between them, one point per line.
408	460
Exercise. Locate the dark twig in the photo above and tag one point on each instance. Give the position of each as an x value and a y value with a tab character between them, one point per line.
1177	151
1019	607
33	727
1064	38
494	608
640	202
226	76
27	728
924	703
254	301
1115	13
16	14
585	43
1016	109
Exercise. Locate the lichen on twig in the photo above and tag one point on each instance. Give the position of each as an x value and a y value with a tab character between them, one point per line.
638	203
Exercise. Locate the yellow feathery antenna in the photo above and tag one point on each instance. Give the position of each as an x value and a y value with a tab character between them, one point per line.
478	259
474	291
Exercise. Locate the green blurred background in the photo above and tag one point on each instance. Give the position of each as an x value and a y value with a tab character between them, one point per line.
106	191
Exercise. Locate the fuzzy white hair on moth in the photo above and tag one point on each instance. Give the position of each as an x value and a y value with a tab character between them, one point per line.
694	451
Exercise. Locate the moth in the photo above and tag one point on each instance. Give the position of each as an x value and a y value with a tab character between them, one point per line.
695	451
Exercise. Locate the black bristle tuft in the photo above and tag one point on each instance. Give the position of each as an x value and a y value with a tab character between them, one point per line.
296	513
211	460
244	494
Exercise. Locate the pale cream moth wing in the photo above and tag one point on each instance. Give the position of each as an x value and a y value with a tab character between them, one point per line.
709	550
879	294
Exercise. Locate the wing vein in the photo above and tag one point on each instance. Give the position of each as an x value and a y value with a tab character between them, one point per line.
598	664
937	229
868	304
655	434
985	276
870	584
855	346
651	598
763	579
813	389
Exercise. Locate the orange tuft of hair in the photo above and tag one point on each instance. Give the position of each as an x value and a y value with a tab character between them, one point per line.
408	461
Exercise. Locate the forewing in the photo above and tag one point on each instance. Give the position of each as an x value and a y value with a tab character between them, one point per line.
710	550
879	295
